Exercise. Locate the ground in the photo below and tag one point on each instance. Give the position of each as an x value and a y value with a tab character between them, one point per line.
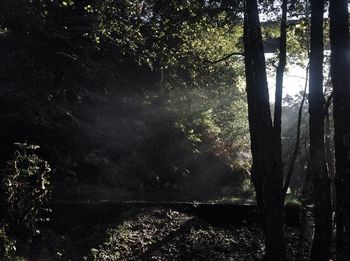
156	234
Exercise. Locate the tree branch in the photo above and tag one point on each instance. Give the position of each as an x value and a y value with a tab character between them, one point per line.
224	58
212	11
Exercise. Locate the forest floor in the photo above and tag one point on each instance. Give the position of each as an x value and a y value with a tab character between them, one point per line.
156	234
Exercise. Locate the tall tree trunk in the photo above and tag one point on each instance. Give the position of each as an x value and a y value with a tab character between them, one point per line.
340	73
282	56
330	157
321	244
267	173
279	81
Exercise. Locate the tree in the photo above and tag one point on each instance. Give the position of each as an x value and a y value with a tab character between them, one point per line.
340	74
69	52
267	168
317	167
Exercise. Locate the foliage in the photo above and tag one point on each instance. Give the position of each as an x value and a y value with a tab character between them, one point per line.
205	106
7	246
27	189
64	62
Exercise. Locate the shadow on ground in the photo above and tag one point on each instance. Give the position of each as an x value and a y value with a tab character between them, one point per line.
156	233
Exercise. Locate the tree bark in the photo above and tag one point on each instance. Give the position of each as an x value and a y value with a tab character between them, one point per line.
340	74
330	157
267	173
321	245
280	70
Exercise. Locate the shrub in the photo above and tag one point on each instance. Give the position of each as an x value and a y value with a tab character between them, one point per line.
7	246
27	190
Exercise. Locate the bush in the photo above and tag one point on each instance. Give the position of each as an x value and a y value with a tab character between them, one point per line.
7	246
27	190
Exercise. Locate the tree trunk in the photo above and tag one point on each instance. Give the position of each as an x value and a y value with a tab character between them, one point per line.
340	73
267	173
306	228
280	70
321	245
330	157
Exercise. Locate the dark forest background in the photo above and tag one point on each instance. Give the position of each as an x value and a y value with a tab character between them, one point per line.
121	99
163	100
